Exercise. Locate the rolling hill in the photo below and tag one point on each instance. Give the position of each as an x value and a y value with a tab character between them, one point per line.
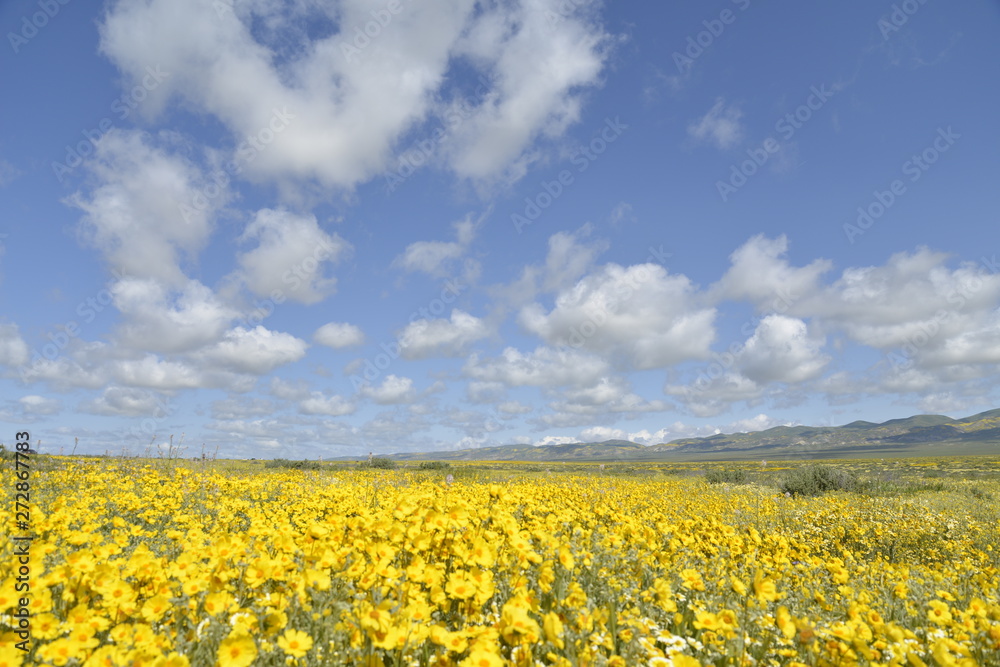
919	435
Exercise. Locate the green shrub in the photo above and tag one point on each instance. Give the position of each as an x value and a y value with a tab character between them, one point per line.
979	493
293	465
379	463
816	479
728	476
434	465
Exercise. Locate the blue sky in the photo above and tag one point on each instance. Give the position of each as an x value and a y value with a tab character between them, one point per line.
317	228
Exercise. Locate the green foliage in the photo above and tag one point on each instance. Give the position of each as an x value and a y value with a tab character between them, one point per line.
813	480
727	476
434	465
979	493
293	465
379	463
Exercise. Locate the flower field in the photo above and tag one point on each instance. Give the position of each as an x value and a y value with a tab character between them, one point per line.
144	564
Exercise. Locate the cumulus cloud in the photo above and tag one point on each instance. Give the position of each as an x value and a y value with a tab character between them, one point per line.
603	401
544	367
781	350
291	257
339	335
157	319
13	349
709	396
393	390
33	404
640	315
288	390
437	258
154	373
320	404
241	407
441	338
760	273
570	256
343	112
720	126
253	351
126	402
133	216
602	434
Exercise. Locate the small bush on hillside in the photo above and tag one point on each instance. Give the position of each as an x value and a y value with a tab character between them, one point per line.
379	463
979	493
816	479
731	476
434	465
294	465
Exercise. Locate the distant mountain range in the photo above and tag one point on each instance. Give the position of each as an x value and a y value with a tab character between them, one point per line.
920	435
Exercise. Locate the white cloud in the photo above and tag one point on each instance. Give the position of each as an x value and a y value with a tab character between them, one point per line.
602	434
440	337
393	390
436	258
133	216
154	373
159	320
545	367
759	422
255	351
346	112
781	350
540	66
707	397
512	408
761	274
556	440
721	125
339	335
33	404
639	315
602	402
484	392
290	258
887	306
321	404
570	256
126	402
8	173
288	391
242	407
622	212
13	349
